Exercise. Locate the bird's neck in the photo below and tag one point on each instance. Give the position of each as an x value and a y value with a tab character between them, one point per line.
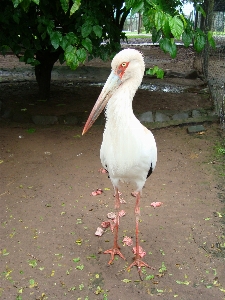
119	108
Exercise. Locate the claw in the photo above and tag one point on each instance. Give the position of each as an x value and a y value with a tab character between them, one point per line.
113	252
139	263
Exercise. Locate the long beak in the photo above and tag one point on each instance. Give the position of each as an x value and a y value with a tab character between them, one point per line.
112	83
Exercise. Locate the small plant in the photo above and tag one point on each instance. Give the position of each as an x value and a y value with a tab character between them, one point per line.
220	148
220	157
163	269
155	71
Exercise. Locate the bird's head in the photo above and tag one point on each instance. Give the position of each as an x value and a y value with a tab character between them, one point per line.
128	64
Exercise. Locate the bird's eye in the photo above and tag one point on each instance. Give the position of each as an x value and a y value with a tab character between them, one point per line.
123	64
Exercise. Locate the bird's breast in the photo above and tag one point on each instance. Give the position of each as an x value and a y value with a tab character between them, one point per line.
128	151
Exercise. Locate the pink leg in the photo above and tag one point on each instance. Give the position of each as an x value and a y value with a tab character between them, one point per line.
116	249
137	260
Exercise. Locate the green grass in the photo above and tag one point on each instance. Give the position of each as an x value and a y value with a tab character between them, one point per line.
135	35
215	33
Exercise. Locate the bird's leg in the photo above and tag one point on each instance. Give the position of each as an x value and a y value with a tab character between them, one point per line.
137	259
116	249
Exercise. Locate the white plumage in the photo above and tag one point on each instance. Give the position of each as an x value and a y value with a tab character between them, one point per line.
128	149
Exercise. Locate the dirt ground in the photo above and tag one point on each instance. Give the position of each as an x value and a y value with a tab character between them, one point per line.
49	217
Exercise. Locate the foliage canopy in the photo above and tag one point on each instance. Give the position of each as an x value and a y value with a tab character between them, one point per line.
40	32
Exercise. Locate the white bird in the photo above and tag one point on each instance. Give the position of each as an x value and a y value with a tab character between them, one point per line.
128	151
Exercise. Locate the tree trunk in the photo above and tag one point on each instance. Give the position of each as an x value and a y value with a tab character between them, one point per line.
43	72
139	22
208	6
43	76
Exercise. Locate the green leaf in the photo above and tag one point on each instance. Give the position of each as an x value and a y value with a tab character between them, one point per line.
163	269
16	2
50	26
86	29
69	52
211	39
31	130
56	37
36	1
149	277
81	267
65	5
32	283
74	56
4	252
16	18
199	42
75	6
68	39
129	3
168	46
201	10
64	42
187	38
155	71
76	259
73	64
81	54
25	5
166	29
32	263
156	35
97	30
87	44
176	26
137	6
159	20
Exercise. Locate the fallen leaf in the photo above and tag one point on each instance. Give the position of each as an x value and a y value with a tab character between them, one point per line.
183	282
105	224
31	130
193	155
122	200
156	204
77	259
97	192
126	280
142	253
99	231
122	213
111	215
127	241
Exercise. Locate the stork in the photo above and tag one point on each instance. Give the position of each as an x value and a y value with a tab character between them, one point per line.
128	151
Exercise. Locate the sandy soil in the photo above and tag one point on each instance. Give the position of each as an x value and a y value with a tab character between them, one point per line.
49	217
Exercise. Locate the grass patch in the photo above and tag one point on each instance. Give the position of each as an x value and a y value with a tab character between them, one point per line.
220	157
135	35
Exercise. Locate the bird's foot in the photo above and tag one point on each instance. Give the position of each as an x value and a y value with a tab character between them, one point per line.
113	252
139	263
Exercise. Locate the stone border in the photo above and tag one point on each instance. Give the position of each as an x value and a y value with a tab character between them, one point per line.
157	119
